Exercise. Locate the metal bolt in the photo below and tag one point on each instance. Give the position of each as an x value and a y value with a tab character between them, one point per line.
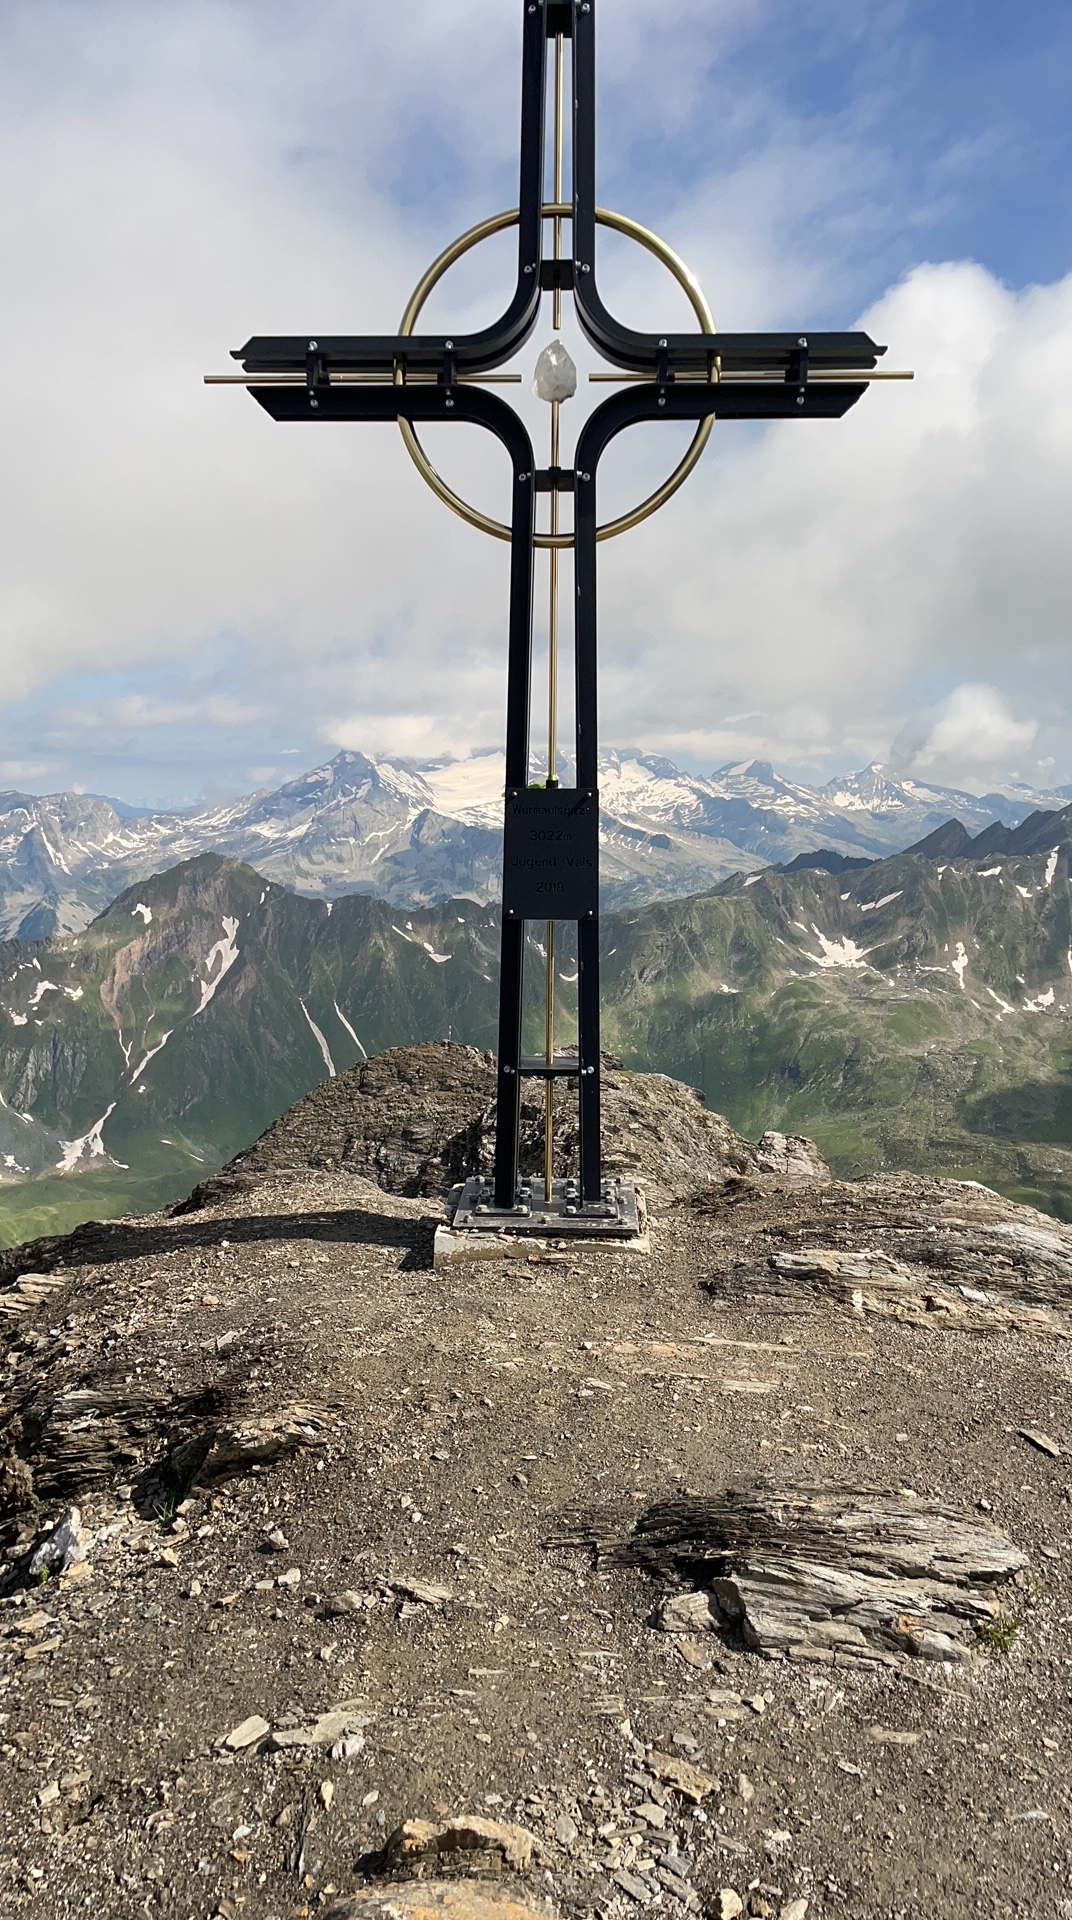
448	343
662	400
450	403
314	403
312	346
662	343
586	476
586	8
802	342
522	476
585	268
530	269
800	399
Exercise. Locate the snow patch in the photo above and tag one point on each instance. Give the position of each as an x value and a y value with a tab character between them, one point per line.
226	951
959	965
89	1147
1024	892
872	906
39	992
1040	1002
153	1051
320	1040
839	953
349	1030
1003	1004
146	912
987	873
1051	867
18	1019
752	878
439	958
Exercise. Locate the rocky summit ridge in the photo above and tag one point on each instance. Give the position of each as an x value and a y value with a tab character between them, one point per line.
729	1580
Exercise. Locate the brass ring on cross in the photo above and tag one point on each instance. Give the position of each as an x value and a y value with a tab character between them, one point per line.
560	210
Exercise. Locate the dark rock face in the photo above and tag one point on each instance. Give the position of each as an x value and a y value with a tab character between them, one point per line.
405	1119
417	1119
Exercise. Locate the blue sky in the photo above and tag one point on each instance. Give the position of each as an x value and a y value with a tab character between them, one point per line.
196	602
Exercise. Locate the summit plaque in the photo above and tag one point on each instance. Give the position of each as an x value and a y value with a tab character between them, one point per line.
551	854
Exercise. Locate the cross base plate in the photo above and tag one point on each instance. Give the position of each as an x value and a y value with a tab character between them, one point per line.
615	1217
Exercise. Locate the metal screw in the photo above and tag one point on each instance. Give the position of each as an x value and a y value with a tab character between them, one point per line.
662	343
802	342
662	400
800	399
522	476
585	268
586	476
529	269
586	8
312	346
450	403
314	403
448	343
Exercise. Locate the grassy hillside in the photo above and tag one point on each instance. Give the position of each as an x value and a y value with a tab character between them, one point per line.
915	1013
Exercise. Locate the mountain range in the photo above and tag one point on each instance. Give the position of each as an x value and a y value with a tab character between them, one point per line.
422	833
911	1011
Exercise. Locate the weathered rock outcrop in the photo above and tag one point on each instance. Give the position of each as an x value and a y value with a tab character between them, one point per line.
417	1119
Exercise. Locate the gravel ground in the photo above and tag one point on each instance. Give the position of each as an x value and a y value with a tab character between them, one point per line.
317	1478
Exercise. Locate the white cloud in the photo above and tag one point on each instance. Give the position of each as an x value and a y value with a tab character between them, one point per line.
969	737
178	178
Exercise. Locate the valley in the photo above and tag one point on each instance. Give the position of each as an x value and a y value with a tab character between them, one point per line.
914	1012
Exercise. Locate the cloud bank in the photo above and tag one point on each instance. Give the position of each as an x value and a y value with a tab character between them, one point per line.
192	596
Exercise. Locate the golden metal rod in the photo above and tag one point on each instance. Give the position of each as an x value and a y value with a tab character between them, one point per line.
725	379
358	379
560	96
552	780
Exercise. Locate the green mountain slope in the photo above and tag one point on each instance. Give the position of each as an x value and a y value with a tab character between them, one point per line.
914	1013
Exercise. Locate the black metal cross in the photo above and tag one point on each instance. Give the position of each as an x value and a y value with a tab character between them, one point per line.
551	833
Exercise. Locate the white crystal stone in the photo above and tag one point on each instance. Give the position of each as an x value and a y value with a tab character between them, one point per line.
556	375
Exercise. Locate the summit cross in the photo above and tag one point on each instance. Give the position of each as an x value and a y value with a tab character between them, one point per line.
551	849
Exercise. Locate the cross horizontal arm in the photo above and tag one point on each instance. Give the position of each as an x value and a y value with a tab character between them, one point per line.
738	400
667	354
390	402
